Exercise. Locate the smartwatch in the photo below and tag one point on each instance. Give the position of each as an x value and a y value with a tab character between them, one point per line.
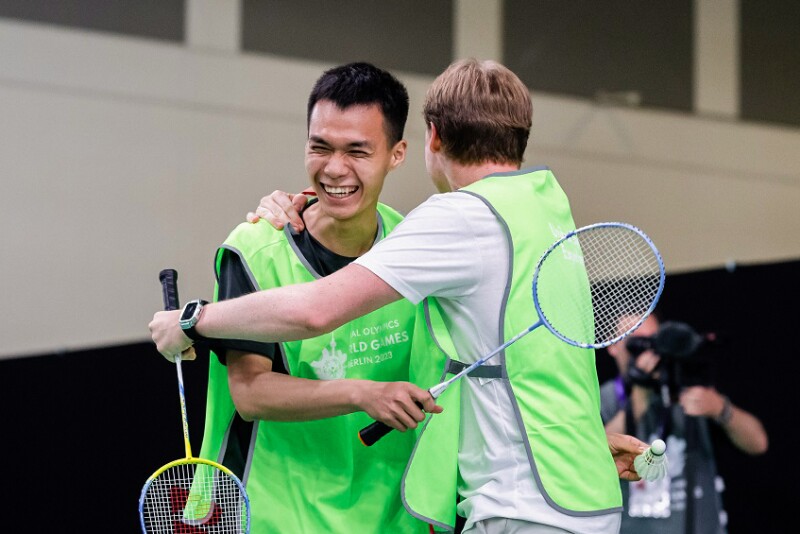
189	317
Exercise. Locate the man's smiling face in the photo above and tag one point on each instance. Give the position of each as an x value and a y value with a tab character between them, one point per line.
348	157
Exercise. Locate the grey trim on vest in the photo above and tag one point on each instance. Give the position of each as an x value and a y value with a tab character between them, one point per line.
427	310
513	398
254	432
507	289
250	274
251	449
288	231
223	448
516	173
412	512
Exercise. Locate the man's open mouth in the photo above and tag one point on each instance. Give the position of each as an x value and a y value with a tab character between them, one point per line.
340	191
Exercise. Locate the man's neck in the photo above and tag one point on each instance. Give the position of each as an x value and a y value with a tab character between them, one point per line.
460	175
351	238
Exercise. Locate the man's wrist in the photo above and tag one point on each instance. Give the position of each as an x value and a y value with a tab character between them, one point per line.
725	415
190	316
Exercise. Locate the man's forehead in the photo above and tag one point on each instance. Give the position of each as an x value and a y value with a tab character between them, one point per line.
356	125
323	107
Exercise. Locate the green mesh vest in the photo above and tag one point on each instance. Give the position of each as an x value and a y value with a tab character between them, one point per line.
554	385
316	476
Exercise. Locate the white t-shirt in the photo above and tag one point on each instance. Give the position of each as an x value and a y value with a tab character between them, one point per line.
453	247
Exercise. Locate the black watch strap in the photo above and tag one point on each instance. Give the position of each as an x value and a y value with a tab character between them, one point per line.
194	335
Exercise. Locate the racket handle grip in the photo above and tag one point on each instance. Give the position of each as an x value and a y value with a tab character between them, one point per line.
370	434
169	288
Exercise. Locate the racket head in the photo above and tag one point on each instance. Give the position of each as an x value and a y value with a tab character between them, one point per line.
194	495
594	275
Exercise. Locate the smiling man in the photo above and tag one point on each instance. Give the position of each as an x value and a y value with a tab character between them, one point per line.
275	414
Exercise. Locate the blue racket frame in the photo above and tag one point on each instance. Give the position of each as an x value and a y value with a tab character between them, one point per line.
569	235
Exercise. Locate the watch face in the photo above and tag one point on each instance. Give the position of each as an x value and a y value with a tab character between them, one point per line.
188	311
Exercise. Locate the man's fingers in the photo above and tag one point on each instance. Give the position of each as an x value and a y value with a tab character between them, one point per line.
280	208
299	202
292	205
428	404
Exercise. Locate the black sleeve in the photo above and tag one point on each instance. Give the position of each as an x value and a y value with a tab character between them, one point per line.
234	282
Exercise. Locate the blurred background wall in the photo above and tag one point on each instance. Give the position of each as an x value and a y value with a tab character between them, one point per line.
134	135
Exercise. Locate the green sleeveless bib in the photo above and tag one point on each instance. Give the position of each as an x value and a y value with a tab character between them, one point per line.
554	385
316	476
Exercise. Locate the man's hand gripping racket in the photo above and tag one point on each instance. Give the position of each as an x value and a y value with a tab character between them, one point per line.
191	495
583	284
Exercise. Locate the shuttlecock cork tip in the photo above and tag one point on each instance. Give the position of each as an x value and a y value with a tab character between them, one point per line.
658	447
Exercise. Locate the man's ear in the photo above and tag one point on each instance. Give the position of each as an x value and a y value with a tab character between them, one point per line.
398	154
433	139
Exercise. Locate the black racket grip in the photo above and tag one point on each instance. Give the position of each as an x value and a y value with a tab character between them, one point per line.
370	434
169	288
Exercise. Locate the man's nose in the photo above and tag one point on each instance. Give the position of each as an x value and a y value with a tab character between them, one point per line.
336	166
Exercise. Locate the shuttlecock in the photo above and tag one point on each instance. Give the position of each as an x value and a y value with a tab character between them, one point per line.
652	463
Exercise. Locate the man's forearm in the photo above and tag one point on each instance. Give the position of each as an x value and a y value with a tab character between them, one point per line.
280	314
617	423
746	432
297	311
259	393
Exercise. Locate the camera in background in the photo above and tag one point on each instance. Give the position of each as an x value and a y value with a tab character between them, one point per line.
686	356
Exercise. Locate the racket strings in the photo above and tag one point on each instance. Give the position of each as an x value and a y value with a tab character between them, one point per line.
194	498
615	266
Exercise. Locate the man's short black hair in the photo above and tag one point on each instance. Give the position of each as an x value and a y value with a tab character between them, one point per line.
361	83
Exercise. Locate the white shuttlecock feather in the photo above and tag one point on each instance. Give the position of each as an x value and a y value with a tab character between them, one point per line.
652	463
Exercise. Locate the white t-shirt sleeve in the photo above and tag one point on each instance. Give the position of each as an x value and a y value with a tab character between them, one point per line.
436	250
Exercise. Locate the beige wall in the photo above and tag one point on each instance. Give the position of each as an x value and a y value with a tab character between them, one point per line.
122	156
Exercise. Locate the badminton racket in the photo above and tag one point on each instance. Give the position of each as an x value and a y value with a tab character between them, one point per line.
591	289
191	495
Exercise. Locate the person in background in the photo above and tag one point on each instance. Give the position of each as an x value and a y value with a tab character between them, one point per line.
646	400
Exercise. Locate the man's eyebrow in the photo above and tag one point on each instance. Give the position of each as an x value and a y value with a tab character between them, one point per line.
318	139
354	144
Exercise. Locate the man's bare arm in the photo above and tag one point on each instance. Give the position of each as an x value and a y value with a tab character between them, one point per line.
260	393
282	314
743	428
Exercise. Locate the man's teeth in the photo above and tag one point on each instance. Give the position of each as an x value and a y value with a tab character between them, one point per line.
340	191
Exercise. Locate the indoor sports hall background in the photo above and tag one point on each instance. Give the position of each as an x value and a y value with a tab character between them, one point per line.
134	134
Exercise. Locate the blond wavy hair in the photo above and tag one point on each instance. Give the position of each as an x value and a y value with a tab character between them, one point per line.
482	112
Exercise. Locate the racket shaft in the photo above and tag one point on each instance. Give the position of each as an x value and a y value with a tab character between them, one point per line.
370	434
184	415
169	289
